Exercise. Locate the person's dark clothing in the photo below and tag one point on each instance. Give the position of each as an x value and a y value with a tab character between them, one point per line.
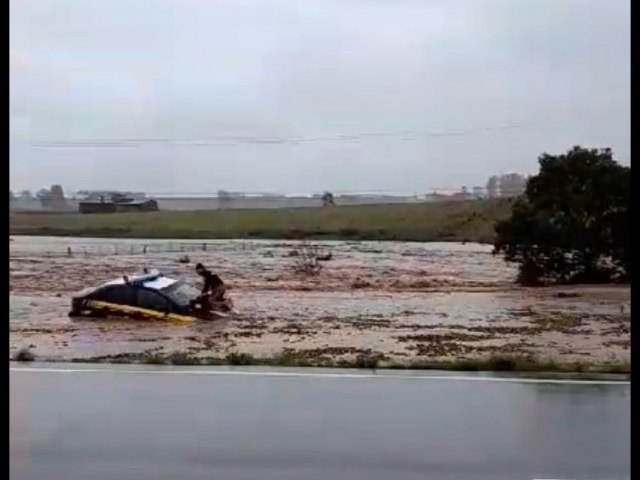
212	282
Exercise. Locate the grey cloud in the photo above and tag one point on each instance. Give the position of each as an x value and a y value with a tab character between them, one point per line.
194	69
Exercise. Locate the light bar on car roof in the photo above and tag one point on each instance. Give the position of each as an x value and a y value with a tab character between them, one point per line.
154	274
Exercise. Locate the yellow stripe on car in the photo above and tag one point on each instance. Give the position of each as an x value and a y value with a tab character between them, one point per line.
143	312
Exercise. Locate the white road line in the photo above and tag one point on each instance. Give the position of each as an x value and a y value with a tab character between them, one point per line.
317	375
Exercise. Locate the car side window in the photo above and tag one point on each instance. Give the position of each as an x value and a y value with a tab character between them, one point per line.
152	300
120	295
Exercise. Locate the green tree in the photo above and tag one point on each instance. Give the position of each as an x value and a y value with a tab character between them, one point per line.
571	225
44	195
26	195
224	199
492	187
328	199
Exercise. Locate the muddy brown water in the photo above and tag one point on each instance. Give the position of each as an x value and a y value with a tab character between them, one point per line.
365	298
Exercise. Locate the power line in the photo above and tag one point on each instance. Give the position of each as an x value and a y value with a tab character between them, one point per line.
222	140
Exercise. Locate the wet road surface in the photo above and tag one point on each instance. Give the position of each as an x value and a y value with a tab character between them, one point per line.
78	422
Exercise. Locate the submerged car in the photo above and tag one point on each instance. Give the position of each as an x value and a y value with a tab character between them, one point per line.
150	295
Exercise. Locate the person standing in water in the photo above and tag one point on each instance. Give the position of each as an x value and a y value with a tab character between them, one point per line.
213	286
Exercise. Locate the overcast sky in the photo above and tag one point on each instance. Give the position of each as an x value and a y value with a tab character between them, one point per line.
484	85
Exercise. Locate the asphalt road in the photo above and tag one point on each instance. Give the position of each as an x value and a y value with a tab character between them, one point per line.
79	423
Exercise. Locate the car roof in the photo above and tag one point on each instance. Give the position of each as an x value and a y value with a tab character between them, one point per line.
153	281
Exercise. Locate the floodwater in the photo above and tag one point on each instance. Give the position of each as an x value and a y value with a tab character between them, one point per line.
398	299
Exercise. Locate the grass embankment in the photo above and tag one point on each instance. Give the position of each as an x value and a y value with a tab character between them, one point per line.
494	363
471	221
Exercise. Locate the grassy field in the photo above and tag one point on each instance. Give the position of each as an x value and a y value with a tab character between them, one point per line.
471	221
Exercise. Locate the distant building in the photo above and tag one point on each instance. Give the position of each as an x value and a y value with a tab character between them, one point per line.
478	192
109	206
114	195
512	185
462	195
52	198
508	185
435	197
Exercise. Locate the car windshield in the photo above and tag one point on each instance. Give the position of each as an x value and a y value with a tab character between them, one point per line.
181	293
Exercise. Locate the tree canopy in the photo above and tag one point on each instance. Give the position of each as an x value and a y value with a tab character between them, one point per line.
572	223
328	199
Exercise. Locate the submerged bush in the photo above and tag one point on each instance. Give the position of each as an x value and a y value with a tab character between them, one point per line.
24	355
